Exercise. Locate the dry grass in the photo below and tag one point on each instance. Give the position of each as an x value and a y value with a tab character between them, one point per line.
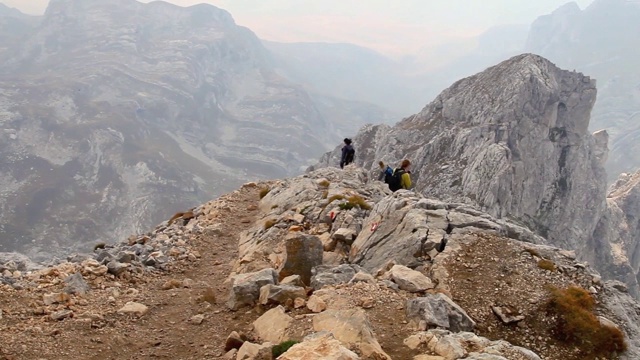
533	252
335	197
577	323
325	194
269	224
264	191
324	183
209	295
359	202
547	265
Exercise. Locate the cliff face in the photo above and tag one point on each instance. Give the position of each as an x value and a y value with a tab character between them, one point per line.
116	114
601	41
514	141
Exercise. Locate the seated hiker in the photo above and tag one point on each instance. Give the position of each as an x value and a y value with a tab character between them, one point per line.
348	153
385	171
401	178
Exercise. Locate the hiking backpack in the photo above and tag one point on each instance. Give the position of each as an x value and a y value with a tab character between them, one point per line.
351	154
394	179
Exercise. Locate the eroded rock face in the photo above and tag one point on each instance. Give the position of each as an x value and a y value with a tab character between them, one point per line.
514	141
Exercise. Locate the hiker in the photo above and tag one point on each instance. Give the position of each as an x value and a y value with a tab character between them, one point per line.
385	171
401	178
348	153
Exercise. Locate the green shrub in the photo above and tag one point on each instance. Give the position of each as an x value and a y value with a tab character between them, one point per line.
577	323
282	348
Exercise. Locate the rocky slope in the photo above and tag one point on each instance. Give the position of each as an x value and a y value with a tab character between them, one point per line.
514	141
600	40
116	114
331	259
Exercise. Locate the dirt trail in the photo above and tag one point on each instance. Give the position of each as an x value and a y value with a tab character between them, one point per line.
165	332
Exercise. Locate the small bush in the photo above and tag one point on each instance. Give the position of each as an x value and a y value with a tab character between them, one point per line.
577	324
336	197
274	207
269	224
99	246
359	202
346	206
547	265
264	192
325	194
324	183
209	295
282	348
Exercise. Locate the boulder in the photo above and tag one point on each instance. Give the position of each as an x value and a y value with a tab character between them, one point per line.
279	294
319	346
76	285
293	280
344	235
316	304
245	289
302	253
272	325
437	311
332	275
408	279
352	328
251	351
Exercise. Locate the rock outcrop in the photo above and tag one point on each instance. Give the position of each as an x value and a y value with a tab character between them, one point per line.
568	37
514	141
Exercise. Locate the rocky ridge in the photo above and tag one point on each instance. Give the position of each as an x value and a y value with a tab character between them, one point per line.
305	268
513	140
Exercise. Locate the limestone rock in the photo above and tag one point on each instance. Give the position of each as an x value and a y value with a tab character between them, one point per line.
303	252
272	325
350	327
409	280
293	280
316	304
279	294
323	346
251	351
234	341
437	310
76	284
325	275
133	308
245	289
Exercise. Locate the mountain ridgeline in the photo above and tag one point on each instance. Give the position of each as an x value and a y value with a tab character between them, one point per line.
514	141
115	115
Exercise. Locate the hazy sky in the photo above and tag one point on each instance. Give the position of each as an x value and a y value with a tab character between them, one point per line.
390	26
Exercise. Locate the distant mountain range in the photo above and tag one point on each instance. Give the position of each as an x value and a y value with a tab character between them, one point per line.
114	115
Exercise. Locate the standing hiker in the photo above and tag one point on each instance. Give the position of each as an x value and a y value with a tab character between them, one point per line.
348	153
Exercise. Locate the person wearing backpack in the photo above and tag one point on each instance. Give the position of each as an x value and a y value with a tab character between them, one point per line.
401	177
385	171
348	153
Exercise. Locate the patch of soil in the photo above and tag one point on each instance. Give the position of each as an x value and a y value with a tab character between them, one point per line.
492	271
